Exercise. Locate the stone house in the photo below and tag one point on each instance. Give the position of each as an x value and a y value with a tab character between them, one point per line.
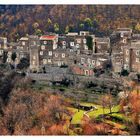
62	42
11	48
60	57
22	49
102	45
48	43
120	38
117	62
131	58
82	70
3	47
86	63
81	43
34	45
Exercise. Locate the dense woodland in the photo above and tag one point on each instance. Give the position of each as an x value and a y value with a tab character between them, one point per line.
20	20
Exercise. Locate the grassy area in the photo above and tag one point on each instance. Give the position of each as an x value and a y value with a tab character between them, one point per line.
98	112
77	117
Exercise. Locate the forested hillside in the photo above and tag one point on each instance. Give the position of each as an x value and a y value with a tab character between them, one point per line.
18	20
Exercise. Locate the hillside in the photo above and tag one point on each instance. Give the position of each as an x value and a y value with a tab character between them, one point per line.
18	20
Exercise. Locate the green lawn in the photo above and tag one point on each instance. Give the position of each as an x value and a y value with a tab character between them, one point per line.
77	117
98	112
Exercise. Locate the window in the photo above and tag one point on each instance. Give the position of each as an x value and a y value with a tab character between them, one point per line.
44	61
99	46
9	54
89	60
79	41
85	41
1	52
63	55
56	54
33	62
137	52
72	44
71	50
59	63
64	47
127	52
33	43
34	57
78	51
98	63
41	52
77	46
126	66
122	35
23	43
93	62
49	60
8	60
86	47
50	53
64	43
124	40
22	56
86	72
127	60
82	60
42	47
137	60
45	42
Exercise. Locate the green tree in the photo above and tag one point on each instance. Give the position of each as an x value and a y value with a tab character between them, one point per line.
38	32
35	25
89	42
88	23
81	25
5	56
56	27
13	56
137	27
24	63
49	21
67	29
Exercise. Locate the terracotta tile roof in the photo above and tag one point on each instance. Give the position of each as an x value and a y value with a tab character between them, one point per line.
48	37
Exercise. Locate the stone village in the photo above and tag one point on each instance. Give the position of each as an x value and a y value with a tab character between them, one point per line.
80	54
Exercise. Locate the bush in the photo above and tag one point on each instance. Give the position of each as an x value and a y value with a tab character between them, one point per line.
124	72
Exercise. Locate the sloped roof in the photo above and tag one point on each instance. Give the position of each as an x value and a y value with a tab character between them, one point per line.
24	38
48	37
102	39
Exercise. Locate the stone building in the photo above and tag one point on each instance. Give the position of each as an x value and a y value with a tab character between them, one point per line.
62	42
131	58
117	62
34	45
102	45
11	48
22	49
86	63
120	38
48	43
3	47
60	57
